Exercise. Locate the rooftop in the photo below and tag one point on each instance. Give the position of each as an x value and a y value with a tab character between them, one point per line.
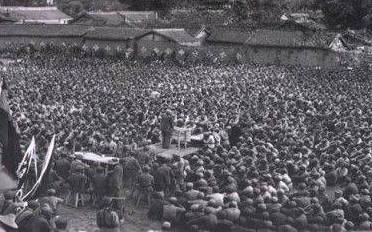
224	36
35	13
284	38
42	30
179	36
114	33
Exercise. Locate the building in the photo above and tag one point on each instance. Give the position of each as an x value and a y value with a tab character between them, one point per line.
111	38
39	34
164	41
224	38
292	48
281	47
225	43
170	35
43	15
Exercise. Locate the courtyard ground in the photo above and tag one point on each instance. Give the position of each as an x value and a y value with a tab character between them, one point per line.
84	219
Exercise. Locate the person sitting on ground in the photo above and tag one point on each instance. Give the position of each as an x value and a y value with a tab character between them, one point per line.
173	212
156	208
52	200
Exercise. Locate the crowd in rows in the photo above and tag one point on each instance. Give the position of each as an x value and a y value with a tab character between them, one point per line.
286	149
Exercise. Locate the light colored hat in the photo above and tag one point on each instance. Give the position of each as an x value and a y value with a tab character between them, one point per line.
194	207
9	220
166	225
173	200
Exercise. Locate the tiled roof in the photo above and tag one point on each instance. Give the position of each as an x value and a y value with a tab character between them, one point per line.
35	13
283	38
55	30
223	36
114	33
179	36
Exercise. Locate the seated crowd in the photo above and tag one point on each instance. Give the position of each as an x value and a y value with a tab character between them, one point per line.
285	149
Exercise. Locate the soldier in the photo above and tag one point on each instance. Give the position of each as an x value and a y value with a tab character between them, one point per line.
145	185
77	181
164	178
63	166
166	126
173	211
180	166
132	169
115	179
99	184
115	184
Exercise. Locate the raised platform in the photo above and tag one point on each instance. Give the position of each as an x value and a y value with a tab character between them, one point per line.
168	153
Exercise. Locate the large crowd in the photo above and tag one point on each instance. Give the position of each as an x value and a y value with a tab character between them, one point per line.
285	148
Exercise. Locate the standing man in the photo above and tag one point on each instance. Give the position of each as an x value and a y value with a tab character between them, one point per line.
115	184
180	165
99	185
166	126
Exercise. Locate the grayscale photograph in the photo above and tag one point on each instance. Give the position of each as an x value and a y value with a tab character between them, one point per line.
185	115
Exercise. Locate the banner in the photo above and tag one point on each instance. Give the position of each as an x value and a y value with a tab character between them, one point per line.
29	158
44	172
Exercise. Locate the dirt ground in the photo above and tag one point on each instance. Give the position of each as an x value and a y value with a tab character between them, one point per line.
84	219
135	218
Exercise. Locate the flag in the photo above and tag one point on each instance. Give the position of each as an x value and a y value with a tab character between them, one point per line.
157	52
168	52
9	137
143	52
29	158
85	47
222	55
129	53
180	56
95	47
239	58
45	168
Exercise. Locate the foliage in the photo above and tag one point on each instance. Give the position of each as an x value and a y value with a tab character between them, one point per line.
158	5
240	9
73	7
348	13
259	10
